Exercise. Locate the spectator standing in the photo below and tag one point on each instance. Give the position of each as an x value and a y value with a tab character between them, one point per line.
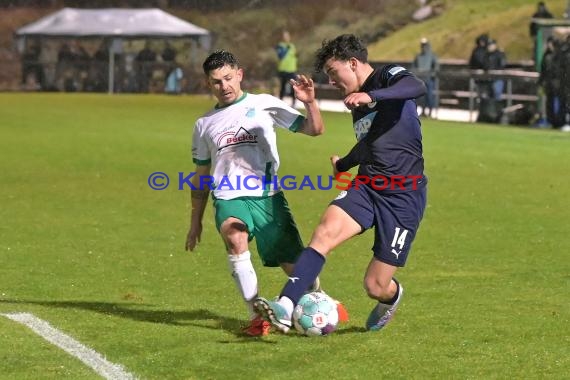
129	76
145	61
496	60
82	61
65	71
478	61
173	73
549	80
542	12
287	65
173	83
31	65
426	66
99	71
564	65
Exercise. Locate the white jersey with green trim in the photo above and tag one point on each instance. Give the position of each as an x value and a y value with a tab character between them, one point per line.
239	141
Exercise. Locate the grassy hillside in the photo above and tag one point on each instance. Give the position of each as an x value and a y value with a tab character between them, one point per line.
452	34
252	33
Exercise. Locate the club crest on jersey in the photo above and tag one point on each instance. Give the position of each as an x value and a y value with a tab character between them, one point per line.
250	112
362	126
242	136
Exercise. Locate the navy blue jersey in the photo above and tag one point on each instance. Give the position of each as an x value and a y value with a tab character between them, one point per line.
388	131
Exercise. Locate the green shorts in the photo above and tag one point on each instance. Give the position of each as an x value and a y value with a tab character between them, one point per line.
270	221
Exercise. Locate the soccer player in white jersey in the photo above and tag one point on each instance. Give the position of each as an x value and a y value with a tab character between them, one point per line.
236	142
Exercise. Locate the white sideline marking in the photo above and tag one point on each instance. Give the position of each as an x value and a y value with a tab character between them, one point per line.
88	356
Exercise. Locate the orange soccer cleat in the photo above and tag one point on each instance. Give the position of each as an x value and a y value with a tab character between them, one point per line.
257	327
342	313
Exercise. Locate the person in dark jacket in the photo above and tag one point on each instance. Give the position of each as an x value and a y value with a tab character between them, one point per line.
145	60
477	59
496	60
549	80
564	65
541	12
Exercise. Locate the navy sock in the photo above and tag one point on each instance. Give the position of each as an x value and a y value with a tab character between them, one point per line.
307	268
391	302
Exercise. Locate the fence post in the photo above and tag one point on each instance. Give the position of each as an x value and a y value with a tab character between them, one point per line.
471	92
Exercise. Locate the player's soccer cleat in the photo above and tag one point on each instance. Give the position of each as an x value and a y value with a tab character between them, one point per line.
383	313
273	312
257	327
342	312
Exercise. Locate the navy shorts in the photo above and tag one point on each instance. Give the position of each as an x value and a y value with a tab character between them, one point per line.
395	217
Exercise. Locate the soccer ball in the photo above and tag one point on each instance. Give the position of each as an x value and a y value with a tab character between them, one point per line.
315	314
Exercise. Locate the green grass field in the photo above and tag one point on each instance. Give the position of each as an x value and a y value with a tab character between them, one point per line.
87	246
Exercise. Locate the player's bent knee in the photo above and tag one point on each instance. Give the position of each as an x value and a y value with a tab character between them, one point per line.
234	233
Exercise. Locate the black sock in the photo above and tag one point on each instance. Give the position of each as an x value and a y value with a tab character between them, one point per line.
391	302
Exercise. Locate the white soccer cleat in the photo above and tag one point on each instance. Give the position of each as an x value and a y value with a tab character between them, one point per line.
383	313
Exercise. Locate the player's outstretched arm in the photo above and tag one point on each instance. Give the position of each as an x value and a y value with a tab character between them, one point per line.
305	92
407	87
199	200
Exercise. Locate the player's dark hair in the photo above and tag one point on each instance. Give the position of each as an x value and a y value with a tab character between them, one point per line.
342	48
219	59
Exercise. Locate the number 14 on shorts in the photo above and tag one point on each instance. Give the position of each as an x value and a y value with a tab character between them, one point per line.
399	240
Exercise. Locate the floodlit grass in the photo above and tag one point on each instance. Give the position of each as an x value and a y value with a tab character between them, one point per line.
87	246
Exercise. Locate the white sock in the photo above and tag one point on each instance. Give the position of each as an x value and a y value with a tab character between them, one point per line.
245	278
287	305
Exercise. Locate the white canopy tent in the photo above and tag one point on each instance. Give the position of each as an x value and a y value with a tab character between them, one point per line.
115	24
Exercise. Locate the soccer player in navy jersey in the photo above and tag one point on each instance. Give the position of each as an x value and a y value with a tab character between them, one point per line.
389	192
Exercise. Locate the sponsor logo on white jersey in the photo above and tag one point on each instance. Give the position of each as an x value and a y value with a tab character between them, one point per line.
242	136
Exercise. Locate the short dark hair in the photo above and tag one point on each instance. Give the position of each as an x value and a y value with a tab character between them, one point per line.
342	48
219	59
